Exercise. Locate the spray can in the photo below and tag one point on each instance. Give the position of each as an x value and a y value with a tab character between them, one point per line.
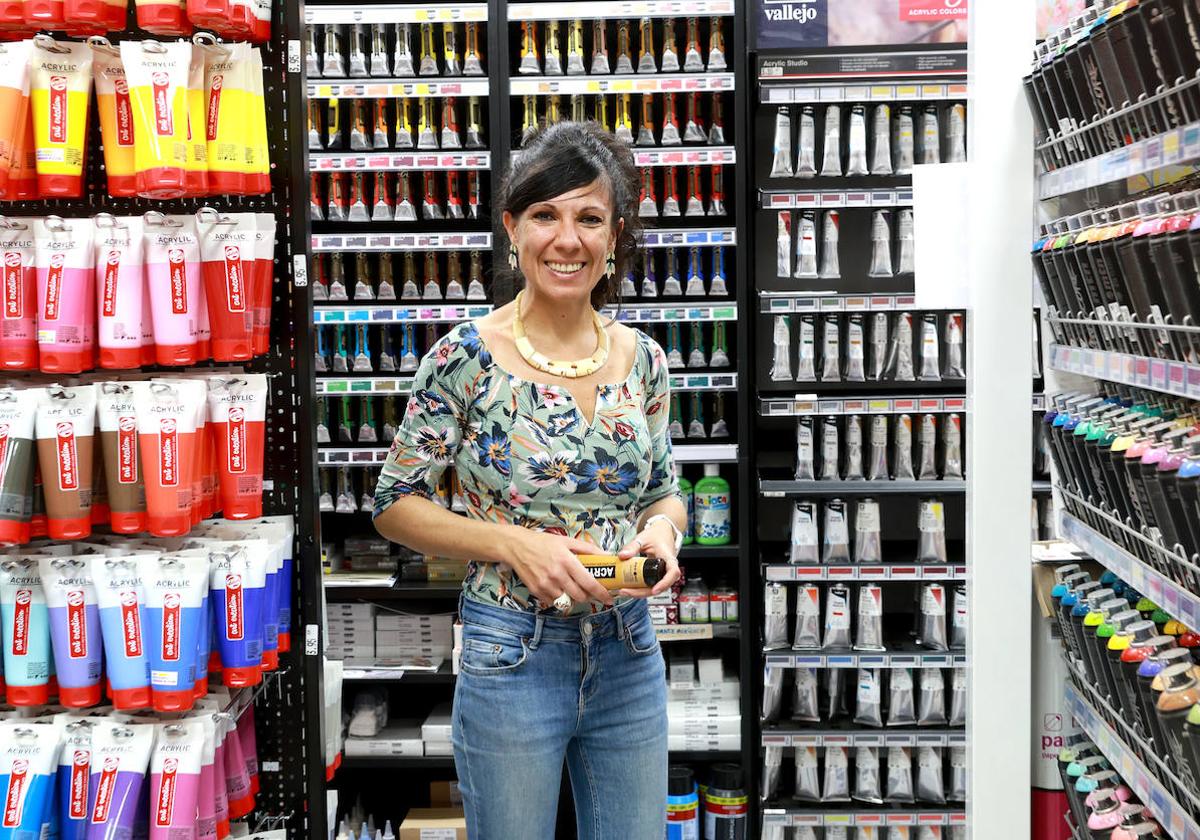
683	805
726	807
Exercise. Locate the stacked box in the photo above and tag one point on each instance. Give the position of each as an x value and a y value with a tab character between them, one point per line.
400	737
435	732
351	631
399	636
368	554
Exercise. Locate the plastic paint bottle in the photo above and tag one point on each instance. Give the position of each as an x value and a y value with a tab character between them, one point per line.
713	518
683	805
726	807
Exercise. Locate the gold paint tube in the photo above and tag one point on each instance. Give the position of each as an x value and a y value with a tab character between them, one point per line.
646	60
624	127
473	59
553	109
380	138
602	115
600	65
529	125
531	63
578	107
475	136
615	573
624	48
404	136
433	289
645	135
454	286
670	53
410	290
426	133
429	62
450	50
475	290
553	63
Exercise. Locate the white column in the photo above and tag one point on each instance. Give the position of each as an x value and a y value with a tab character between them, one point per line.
999	223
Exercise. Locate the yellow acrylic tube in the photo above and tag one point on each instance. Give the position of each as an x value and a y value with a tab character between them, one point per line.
158	84
225	77
60	87
116	118
259	180
14	101
196	177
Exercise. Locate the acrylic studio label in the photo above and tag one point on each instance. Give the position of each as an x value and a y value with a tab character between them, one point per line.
168	452
58	109
77	646
236	438
165	808
14	304
54	279
14	797
131	624
80	768
127	450
20	623
235	287
171	616
177	271
124	112
234	611
67	454
108	287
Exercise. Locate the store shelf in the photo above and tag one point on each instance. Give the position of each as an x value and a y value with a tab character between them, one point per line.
1174	818
366	387
660	313
389	314
778	303
708	156
786	572
787	736
396	88
773	489
810	404
785	199
688	237
618	9
390	673
398	762
705	453
352	456
806	815
852	659
781	93
704	381
1175	599
401	242
397	13
400	590
696	632
1178	378
648	83
705	756
692	551
394	162
1177	146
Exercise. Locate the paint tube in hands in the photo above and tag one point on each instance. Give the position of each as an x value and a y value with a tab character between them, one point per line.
781	163
881	149
121	596
930	367
781	348
856	159
956	134
959	617
931	141
772	760
902	141
804	449
958	773
952	465
806	144
877	457
783	245
830	449
25	633
808	787
775	616
927	448
806	246
931	523
879	345
867	541
74	628
836	787
855	349
805	706
905	247
808	618
901	705
804	533
830	264
831	163
837	617
807	350
899	786
953	366
772	691
868	698
835	545
867	787
852	463
881	245
932	633
28	762
902	447
958	697
931	698
831	348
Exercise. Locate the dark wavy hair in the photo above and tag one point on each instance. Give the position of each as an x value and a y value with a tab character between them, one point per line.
563	157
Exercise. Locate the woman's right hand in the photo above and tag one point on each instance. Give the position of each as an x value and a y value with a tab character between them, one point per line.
548	566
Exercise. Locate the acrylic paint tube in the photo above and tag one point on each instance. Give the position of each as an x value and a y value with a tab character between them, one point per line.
158	89
206	795
830	265
781	343
14	101
772	760
804	533
931	698
175	778
806	350
237	781
22	180
238	412
775	614
899	787
281	530
28	763
117	420
881	149
931	143
116	118
835	545
203	468
226	72
877	458
927	448
930	786
247	738
74	615
262	286
856	158
805	705
952	464
60	87
227	246
772	691
72	777
958	697
957	789
869	632
18	296
930	365
901	703
804	449
852	460
166	422
781	163
903	141
867	540
25	633
808	618
808	788
806	246
953	367
959	617
836	786
237	588
18	413
806	145
66	419
65	300
831	163
783	245
121	596
120	286
879	345
117	789
175	588
901	354
830	449
932	633
196	167
867	785
902	447
956	134
881	245
855	350
258	171
837	617
905	247
831	348
174	286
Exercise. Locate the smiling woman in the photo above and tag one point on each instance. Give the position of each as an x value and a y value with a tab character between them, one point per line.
555	422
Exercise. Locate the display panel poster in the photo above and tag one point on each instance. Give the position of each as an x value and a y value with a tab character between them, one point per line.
812	24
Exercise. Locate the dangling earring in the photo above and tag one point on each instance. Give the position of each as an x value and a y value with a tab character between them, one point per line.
512	257
610	266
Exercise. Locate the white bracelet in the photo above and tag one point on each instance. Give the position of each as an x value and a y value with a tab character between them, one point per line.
663	517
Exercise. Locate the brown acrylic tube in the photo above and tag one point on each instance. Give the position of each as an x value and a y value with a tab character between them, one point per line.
615	573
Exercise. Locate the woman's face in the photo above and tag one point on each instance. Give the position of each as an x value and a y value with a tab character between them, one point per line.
563	243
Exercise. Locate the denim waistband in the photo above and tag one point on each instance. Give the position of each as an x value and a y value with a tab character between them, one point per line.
538	626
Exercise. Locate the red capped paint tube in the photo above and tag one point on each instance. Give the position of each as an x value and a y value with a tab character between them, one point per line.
65	299
120	286
18	296
166	447
196	170
227	247
60	89
163	17
117	416
43	14
225	80
237	780
115	110
206	802
22	177
94	17
209	14
14	92
238	409
66	420
195	392
173	283
158	85
12	18
264	279
246	736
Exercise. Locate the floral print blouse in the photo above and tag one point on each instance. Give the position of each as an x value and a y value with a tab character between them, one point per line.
524	454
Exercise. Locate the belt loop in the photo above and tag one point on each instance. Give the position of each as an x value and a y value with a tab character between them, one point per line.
539	623
620	620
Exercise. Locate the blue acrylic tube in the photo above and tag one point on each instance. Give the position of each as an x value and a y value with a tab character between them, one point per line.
175	588
237	594
122	598
203	648
271	617
25	632
28	755
74	773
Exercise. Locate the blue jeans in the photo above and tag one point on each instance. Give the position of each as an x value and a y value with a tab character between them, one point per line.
535	689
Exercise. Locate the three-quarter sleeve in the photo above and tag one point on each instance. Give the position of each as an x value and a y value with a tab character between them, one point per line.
657	404
430	433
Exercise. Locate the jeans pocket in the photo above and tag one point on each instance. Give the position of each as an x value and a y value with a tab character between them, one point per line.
640	637
487	650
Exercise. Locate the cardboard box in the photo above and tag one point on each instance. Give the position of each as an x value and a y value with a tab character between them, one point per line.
395	621
434	824
443	748
437	726
401	738
444	794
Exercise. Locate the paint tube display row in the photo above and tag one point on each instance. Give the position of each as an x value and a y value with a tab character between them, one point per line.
382	348
422	123
176	119
387	276
1099	799
346	490
774	831
144	622
543	49
701	351
869	697
388	197
703	195
360	50
878	447
706	418
835	630
118	292
683	118
1108	60
1130	654
879	139
112	774
892	248
832	543
868	347
1135	263
154	456
870	775
1135	458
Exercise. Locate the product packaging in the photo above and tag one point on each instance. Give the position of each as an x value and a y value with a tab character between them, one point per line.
959	617
952	466
927	449
262	286
835	545
879	345
807	349
115	111
117	789
834	693
903	141
905	246
867	784
837	617
166	422
775	613
237	408
18	414
930	367
65	301
28	763
953	366
901	703
958	697
227	254
956	134
158	88
902	468
66	420
931	523
227	100
932	632
806	144
772	759
805	706
805	469
783	245
931	698
868	699
781	162
901	351
836	786
772	692
957	791
931	142
930	786
869	632
881	245
830	265
856	157
852	469
831	348
176	587
175	777
808	618
25	633
806	246
804	533
830	450
877	456
831	162
18	295
60	89
120	286
238	583
808	787
899	787
881	148
781	343
173	279
196	155
121	596
117	419
74	615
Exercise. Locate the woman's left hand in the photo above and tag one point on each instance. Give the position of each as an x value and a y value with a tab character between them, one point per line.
656	541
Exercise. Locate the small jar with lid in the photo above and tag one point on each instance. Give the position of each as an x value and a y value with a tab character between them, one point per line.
723	603
694	602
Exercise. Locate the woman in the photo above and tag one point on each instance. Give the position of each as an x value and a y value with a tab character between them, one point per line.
555	459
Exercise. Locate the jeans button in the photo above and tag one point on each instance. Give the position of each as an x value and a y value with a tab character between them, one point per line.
587	628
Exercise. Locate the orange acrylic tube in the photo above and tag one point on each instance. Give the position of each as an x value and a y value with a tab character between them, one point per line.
14	101
116	118
196	170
